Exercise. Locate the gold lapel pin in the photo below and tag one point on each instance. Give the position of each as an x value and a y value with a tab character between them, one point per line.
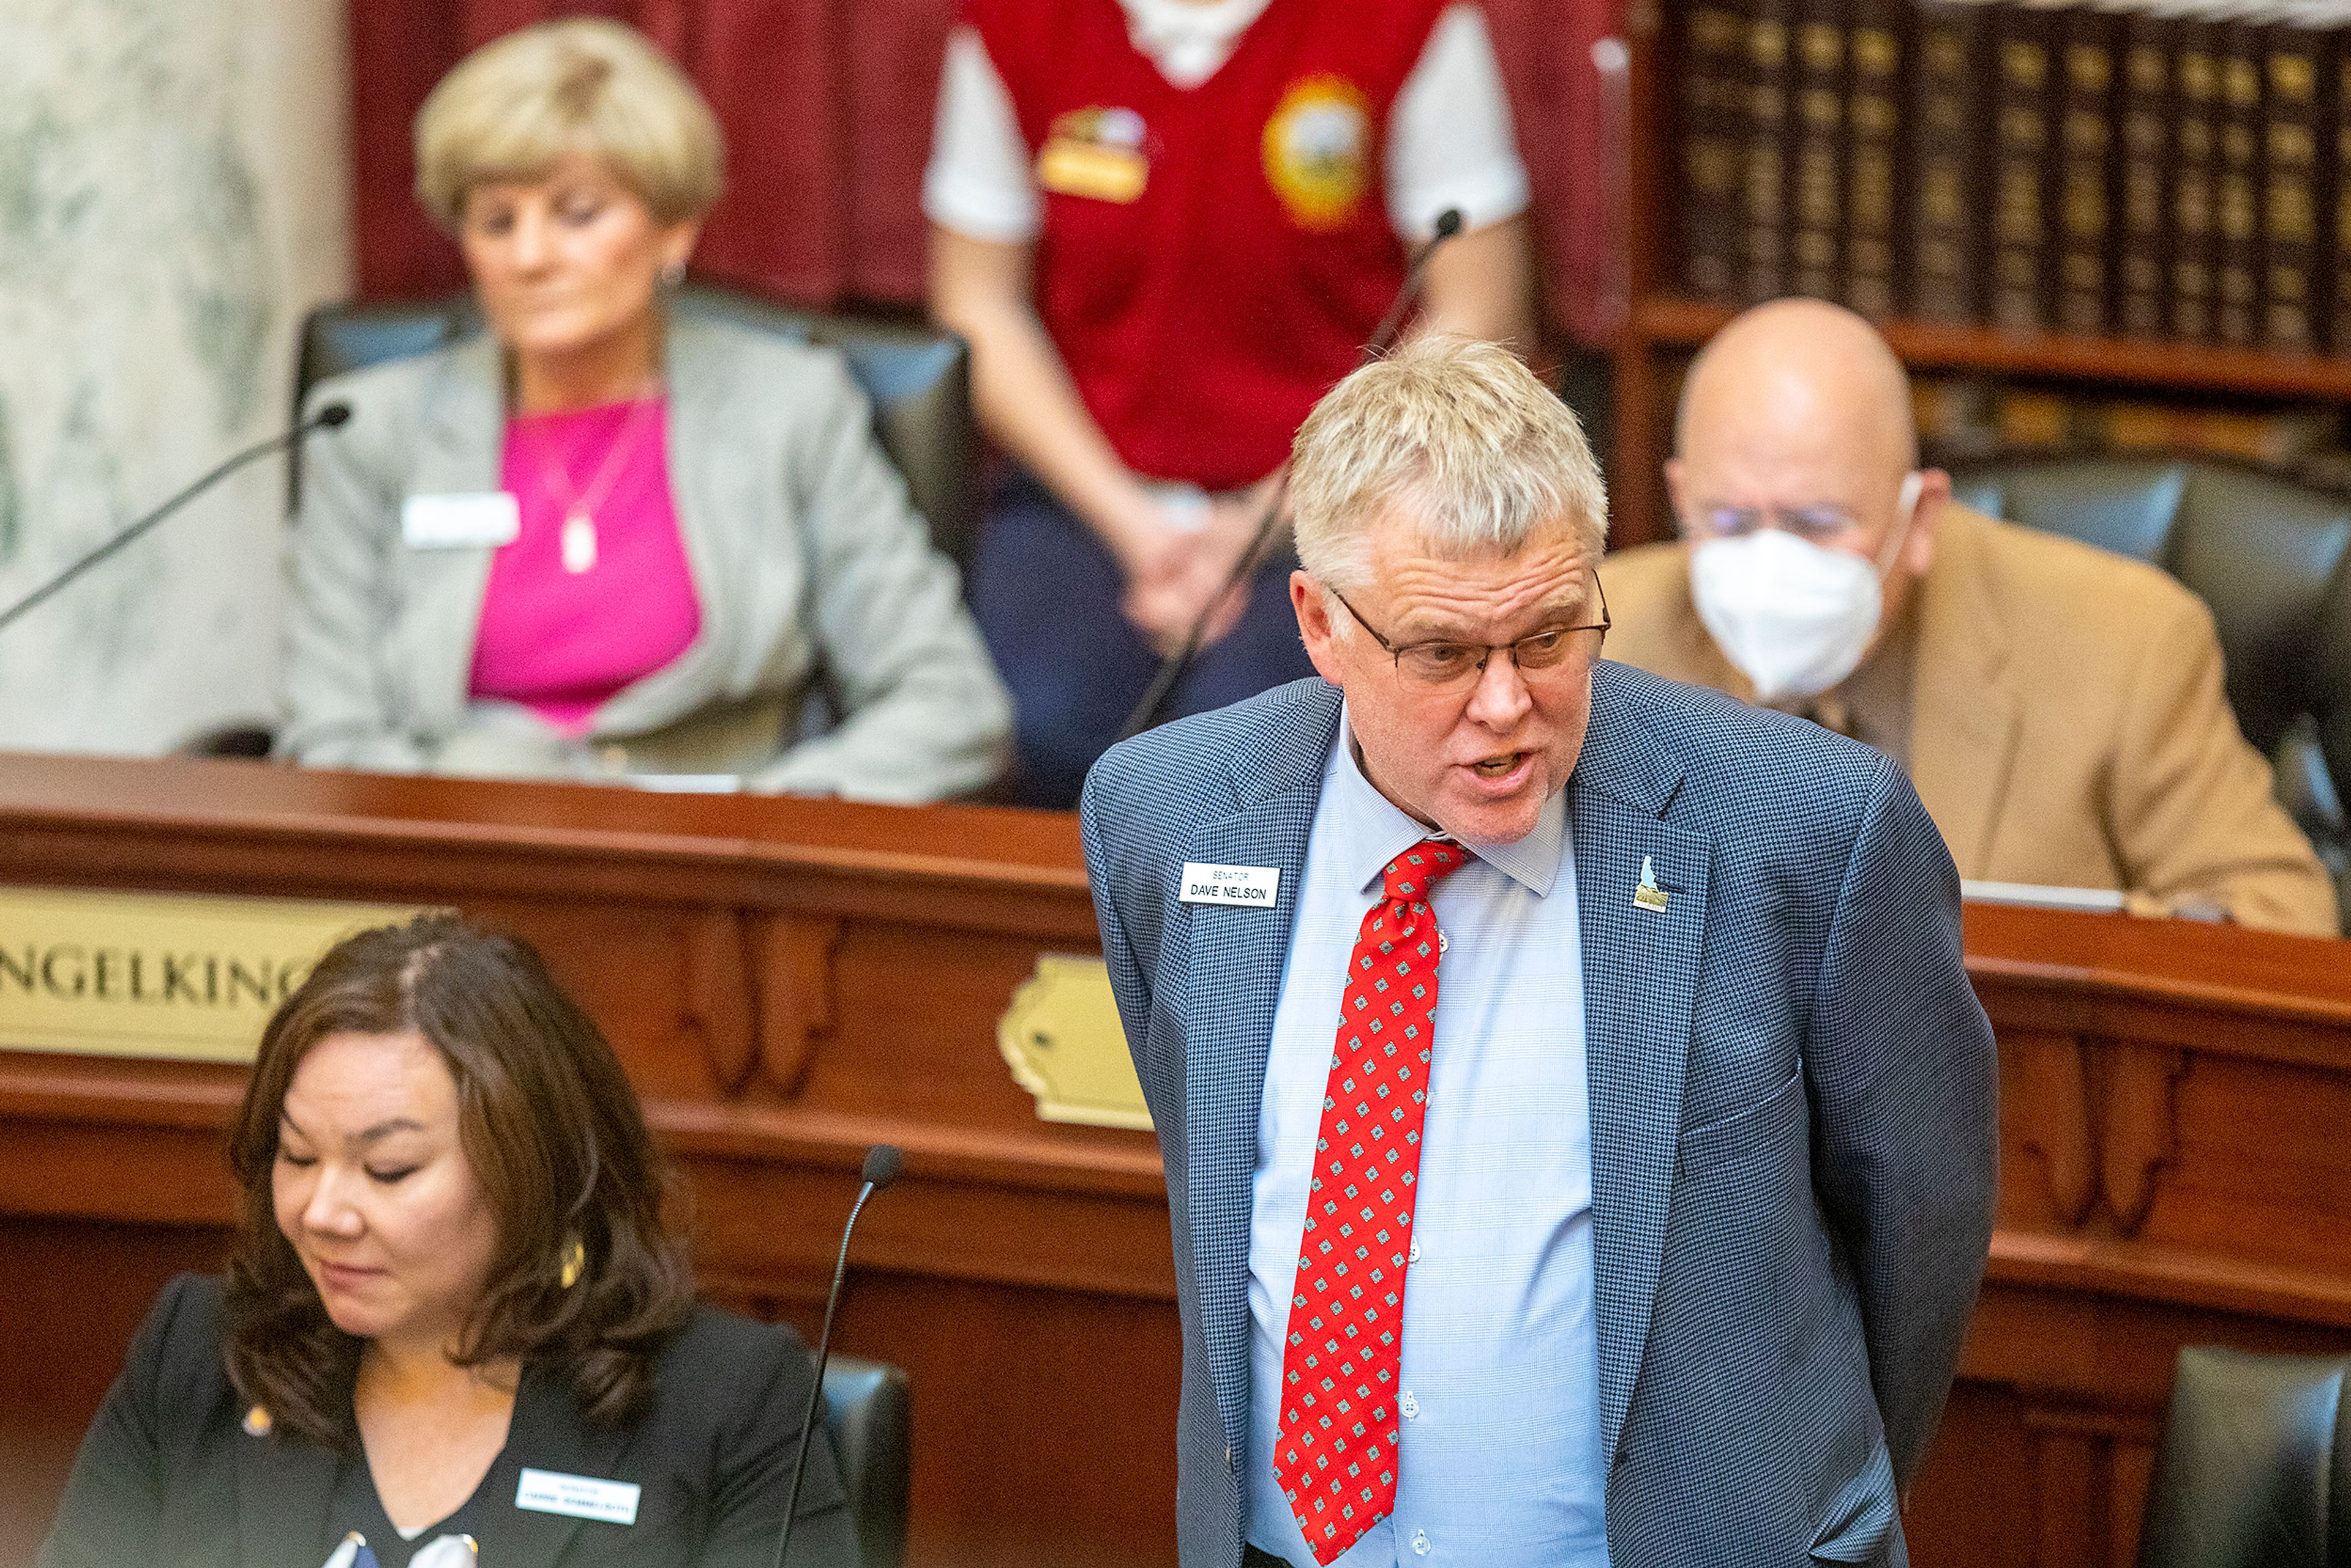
1649	896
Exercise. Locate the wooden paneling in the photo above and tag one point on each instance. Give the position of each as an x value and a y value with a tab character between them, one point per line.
786	982
790	981
77	1290
2172	1172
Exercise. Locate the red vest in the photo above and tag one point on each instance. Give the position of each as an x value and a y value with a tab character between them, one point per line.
1211	260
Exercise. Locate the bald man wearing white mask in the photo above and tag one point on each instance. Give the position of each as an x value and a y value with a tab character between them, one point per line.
2059	708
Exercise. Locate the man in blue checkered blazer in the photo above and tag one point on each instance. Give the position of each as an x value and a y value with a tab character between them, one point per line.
1706	1174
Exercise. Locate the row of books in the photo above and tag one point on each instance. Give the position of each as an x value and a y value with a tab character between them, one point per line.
1965	420
2158	169
1972	419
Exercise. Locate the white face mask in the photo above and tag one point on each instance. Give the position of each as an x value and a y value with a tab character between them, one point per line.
1794	617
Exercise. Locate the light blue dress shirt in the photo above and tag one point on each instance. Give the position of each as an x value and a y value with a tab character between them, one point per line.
1500	1391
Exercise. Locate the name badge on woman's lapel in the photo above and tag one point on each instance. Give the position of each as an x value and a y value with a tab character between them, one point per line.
467	520
578	1497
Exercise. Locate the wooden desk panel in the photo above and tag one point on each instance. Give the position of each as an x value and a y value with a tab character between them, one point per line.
790	981
2173	1172
786	982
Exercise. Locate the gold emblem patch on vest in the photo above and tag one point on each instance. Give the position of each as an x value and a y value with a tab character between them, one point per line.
1318	155
1096	153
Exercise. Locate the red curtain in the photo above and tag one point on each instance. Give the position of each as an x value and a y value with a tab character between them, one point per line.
827	110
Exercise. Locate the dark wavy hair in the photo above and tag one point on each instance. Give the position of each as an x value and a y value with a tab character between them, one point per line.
551	1127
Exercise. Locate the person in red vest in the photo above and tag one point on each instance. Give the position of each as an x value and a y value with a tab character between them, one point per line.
1167	227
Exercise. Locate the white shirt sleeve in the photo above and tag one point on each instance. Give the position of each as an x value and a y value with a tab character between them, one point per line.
1449	138
979	182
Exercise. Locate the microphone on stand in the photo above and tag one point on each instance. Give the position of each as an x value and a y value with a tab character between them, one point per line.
1146	712
882	1164
327	418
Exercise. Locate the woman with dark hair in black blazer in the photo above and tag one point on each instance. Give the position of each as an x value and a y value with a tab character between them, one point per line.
455	1322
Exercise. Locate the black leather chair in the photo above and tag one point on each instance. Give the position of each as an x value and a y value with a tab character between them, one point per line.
865	1410
918	378
2272	559
2255	1467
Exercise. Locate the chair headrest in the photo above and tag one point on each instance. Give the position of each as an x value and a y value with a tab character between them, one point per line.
916	376
2272	559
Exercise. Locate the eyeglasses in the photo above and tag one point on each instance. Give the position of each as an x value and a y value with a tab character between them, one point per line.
1817	524
1440	664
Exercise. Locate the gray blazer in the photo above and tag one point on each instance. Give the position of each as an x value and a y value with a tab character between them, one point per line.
807	556
1791	1093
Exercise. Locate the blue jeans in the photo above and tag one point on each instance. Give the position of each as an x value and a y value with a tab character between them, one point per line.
1046	594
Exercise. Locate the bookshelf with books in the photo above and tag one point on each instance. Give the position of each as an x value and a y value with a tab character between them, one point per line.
2138	203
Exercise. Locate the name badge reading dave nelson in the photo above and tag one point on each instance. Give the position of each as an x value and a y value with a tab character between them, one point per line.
1250	886
578	1497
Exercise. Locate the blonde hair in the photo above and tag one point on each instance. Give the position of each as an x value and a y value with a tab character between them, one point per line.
1459	430
518	105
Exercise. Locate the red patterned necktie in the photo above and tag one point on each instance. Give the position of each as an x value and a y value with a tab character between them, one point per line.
1335	1445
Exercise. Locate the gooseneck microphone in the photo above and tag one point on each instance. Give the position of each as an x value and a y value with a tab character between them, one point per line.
882	1164
327	418
1146	712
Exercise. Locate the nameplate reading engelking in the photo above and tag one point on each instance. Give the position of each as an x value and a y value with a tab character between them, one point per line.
1252	886
174	976
578	1497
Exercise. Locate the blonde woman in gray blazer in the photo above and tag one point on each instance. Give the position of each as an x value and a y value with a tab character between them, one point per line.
573	163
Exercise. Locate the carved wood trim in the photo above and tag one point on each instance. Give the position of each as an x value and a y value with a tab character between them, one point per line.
2100	1115
2054	1114
2073	1483
717	1002
2085	990
2136	1101
2087	1481
2172	1275
792	989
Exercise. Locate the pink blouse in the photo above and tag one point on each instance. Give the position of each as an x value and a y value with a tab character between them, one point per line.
562	640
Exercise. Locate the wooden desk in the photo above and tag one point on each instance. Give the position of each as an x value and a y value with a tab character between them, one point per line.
2174	1170
790	981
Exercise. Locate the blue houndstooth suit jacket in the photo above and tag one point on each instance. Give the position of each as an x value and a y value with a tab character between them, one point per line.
1791	1093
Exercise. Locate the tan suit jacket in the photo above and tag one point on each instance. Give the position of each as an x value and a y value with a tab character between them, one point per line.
2068	722
805	553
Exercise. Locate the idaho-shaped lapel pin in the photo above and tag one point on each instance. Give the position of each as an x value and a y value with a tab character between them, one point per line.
1649	896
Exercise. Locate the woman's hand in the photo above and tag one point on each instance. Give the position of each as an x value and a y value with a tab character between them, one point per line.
1186	561
1173	572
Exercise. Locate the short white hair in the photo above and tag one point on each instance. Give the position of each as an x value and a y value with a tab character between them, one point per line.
1458	432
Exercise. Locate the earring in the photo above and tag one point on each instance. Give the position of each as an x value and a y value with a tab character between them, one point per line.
575	1263
673	275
